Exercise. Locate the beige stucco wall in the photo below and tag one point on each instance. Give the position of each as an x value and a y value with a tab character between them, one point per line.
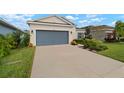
32	36
34	27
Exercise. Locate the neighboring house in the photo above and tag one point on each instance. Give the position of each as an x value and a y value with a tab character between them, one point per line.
51	30
80	33
100	34
97	34
6	28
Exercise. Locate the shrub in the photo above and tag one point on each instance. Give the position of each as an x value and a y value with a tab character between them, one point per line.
11	40
14	39
18	39
92	44
24	40
2	36
86	43
122	39
4	47
79	41
110	40
96	45
73	42
102	47
88	36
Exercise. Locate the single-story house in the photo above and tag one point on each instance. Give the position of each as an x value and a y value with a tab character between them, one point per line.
54	30
100	34
6	27
51	30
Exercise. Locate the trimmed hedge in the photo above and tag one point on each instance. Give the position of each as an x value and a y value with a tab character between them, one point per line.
92	44
79	41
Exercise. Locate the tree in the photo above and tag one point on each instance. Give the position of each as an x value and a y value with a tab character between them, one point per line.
87	33
119	28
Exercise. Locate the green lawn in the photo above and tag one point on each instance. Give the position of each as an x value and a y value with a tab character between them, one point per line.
115	51
18	63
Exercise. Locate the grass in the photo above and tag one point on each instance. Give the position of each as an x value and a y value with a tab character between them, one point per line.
18	64
115	51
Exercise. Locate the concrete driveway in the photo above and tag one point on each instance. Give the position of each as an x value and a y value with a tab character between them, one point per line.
73	62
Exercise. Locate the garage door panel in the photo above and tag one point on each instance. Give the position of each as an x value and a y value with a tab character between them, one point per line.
51	37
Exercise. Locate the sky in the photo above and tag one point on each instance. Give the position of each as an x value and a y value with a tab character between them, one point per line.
81	20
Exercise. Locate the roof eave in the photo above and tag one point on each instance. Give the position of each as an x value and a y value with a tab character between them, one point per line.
32	22
62	18
9	25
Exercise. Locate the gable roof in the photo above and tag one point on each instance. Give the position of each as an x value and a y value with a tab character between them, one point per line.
4	22
62	20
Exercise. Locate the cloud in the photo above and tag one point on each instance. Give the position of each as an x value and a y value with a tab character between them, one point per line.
84	21
91	21
91	15
97	19
113	23
19	20
72	18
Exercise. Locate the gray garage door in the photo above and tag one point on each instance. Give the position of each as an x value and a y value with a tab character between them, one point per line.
51	37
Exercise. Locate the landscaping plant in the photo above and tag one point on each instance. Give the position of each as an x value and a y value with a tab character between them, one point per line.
92	44
16	35
79	41
4	46
12	41
119	27
73	42
24	40
18	39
